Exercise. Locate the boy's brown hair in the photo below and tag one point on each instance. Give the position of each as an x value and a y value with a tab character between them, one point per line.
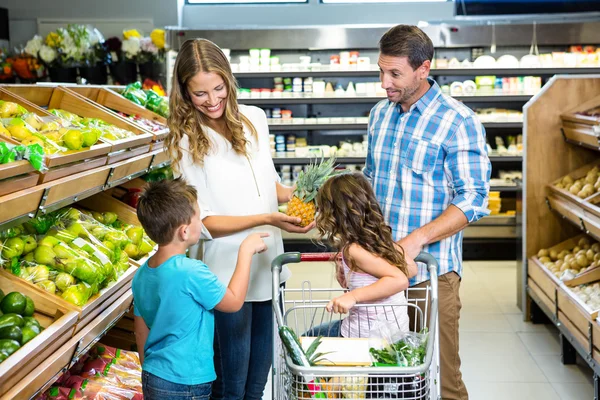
164	206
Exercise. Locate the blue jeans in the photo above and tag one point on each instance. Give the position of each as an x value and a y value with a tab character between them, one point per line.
156	388
327	329
243	352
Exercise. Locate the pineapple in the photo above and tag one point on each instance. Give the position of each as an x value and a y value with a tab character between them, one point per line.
302	204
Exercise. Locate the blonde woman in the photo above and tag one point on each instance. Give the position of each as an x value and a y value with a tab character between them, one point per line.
222	148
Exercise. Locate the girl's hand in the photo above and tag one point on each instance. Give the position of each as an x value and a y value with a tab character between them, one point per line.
342	304
288	223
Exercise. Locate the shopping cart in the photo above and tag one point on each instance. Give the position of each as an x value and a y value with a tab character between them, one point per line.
303	309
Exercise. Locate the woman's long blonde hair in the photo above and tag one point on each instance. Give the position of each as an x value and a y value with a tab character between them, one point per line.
348	213
201	55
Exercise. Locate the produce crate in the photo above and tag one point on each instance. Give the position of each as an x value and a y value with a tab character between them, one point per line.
577	174
52	160
112	100
18	183
582	128
63	358
15	168
72	168
20	203
96	304
60	97
160	154
567	209
58	322
124	154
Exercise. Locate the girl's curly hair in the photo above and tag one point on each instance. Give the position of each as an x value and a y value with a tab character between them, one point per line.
201	55
348	213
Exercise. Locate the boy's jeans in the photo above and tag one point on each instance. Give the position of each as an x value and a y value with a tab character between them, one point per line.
156	388
243	351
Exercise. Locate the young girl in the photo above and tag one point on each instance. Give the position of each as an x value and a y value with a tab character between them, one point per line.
373	267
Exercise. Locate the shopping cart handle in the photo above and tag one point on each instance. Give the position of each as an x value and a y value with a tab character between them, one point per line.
428	259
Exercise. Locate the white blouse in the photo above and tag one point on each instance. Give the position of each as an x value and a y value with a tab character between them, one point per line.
234	185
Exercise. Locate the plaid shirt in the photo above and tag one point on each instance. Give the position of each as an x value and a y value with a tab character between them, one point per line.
423	160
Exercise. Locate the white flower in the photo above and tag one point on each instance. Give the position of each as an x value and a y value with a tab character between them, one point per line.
93	36
48	54
148	46
34	45
131	47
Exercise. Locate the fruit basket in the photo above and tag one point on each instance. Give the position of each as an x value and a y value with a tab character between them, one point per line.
59	98
581	124
46	129
113	101
58	323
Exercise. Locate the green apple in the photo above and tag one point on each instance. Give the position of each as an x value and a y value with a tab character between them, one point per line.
77	229
30	244
45	255
13	247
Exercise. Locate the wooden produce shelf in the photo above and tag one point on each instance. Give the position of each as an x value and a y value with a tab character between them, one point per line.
115	102
581	129
95	305
18	183
63	98
52	160
58	323
45	374
15	168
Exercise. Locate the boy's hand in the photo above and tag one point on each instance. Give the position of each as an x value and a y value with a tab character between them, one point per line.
342	304
254	243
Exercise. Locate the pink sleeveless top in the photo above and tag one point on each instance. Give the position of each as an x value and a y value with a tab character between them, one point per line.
362	319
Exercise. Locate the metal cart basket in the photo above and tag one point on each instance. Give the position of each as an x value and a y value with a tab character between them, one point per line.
303	311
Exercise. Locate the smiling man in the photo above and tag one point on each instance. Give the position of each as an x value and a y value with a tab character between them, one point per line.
428	164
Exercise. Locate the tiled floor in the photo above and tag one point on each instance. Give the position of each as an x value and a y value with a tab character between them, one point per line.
503	357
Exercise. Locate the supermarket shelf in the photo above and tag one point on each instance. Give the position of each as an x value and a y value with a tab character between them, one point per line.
324	73
517	188
303	98
363	127
361	160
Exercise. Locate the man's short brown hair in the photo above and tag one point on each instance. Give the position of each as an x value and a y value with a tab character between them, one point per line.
164	206
407	41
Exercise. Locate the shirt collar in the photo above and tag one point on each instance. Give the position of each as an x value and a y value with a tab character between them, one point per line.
429	97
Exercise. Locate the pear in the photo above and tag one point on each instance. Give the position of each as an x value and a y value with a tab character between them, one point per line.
49	241
50	126
136	234
64	280
55	136
73	214
91	136
39	273
44	255
110	218
32	140
9	109
77	229
48	286
146	247
109	245
63	251
29	257
98	216
30	244
132	250
65	235
73	139
13	247
18	129
33	120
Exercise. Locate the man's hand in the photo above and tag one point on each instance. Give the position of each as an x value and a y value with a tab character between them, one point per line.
288	223
412	245
342	304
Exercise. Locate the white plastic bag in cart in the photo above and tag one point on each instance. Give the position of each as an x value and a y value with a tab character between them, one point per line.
400	348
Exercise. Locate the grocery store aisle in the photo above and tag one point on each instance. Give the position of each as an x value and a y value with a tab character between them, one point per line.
503	357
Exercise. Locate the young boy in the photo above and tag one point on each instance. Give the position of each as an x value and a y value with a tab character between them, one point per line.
174	296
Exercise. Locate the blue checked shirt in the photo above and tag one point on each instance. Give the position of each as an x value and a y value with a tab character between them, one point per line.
421	161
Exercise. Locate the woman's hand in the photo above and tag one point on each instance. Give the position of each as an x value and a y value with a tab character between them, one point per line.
284	193
342	304
288	223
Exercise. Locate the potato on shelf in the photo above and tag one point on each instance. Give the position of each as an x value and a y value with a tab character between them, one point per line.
583	187
567	263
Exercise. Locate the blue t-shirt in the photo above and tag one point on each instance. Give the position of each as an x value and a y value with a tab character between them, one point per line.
175	300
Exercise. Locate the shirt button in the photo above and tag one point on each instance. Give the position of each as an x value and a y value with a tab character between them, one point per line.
389	199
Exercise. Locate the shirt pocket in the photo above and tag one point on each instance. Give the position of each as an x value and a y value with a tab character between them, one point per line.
420	156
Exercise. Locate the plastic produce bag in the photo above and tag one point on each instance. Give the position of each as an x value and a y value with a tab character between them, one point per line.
134	93
24	133
406	349
34	153
157	104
